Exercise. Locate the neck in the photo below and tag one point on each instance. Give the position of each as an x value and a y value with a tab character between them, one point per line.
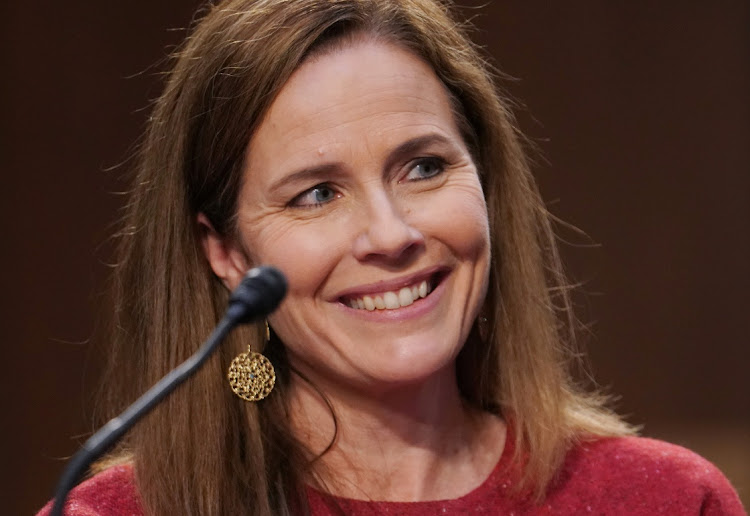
407	443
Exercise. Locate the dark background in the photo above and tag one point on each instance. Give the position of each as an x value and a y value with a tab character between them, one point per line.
640	110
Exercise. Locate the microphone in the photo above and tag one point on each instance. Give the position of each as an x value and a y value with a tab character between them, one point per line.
259	293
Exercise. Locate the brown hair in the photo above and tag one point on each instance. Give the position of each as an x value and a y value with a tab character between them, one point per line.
206	452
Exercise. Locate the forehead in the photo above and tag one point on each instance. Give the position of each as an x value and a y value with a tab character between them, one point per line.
368	88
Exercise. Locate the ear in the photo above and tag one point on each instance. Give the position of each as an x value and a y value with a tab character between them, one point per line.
224	254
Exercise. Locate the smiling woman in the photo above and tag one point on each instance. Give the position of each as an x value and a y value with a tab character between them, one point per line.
421	355
335	172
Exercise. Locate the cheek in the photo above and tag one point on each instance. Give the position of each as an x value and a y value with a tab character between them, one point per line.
458	217
304	252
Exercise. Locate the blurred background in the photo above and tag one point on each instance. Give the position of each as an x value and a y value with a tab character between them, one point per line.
641	114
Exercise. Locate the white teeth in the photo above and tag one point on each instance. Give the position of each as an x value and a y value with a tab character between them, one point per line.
392	300
404	296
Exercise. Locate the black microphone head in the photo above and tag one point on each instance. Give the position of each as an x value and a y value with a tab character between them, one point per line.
259	294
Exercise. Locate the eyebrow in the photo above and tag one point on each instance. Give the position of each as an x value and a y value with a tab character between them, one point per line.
307	175
411	147
325	170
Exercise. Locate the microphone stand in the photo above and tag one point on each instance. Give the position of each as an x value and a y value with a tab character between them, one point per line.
260	292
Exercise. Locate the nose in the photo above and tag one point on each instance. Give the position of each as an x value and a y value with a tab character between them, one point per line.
386	233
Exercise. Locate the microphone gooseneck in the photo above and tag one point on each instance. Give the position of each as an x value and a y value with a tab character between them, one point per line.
259	293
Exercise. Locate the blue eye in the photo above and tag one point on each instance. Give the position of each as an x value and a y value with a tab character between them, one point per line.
425	168
315	196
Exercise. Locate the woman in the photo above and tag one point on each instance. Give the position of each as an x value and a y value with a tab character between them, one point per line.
420	363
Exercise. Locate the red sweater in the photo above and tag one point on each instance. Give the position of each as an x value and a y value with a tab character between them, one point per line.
619	476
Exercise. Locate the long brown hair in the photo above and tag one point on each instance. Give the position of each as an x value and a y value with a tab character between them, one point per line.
206	452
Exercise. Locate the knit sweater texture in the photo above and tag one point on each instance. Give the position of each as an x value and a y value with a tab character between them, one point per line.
613	476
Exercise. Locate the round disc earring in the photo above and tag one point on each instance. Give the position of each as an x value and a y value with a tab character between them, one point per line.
251	375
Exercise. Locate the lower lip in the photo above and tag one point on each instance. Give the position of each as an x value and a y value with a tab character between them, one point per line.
415	310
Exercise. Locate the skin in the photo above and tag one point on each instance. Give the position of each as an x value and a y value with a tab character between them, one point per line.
358	181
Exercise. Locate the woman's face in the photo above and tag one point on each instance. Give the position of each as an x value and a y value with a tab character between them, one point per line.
359	187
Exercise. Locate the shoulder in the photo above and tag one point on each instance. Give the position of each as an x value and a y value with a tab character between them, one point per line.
109	493
635	475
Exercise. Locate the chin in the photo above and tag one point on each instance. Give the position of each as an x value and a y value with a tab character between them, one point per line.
411	365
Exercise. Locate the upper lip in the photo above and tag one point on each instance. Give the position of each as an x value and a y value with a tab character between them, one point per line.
390	285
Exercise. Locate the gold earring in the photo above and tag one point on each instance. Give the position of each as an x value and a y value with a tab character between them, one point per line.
251	375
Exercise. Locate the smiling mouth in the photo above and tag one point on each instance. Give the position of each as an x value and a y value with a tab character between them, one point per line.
393	299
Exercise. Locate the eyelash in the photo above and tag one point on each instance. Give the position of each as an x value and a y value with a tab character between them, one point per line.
438	163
